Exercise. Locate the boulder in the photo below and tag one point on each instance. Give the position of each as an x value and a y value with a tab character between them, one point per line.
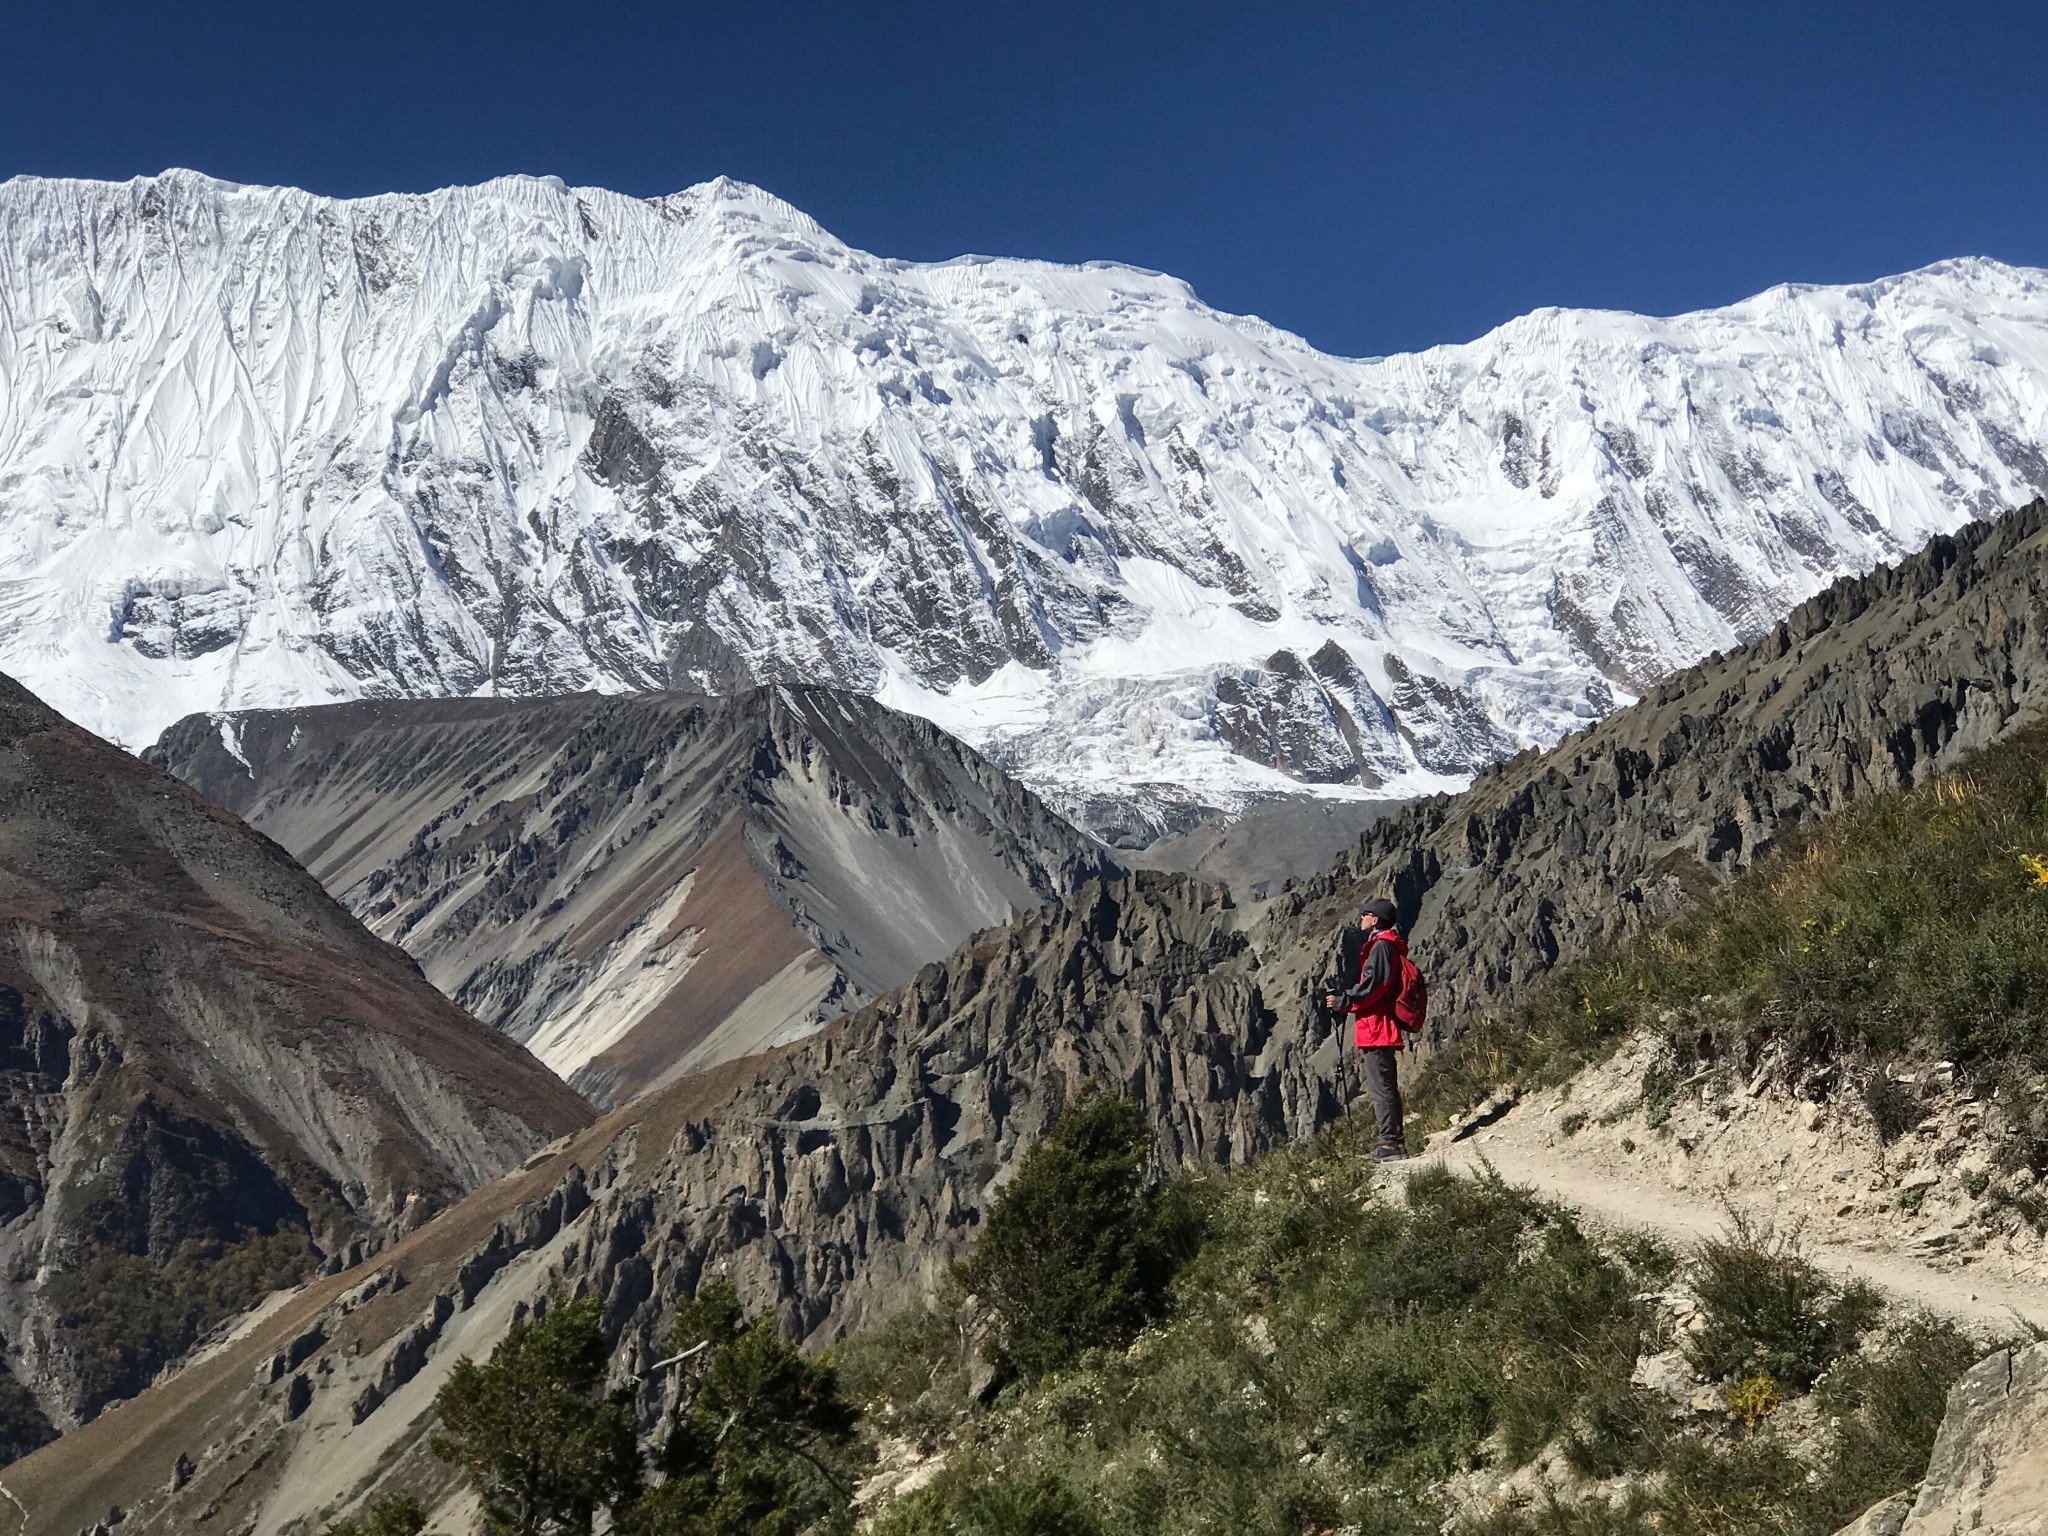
1988	1474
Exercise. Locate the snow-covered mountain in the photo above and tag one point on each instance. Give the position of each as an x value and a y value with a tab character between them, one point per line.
261	448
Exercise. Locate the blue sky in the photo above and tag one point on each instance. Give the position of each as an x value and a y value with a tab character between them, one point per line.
1376	177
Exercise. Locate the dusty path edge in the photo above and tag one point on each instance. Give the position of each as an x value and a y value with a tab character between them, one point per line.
1998	1307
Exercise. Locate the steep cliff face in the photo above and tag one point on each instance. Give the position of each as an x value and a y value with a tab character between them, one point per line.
637	887
215	1079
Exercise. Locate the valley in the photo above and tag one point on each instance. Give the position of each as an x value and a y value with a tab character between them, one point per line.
834	1177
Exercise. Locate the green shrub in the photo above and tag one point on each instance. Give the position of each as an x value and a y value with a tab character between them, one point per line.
1769	1311
127	1317
1895	1108
1330	1354
1078	1251
979	1503
761	1440
541	1443
23	1424
396	1514
1753	1399
1753	1488
1887	1404
912	1367
1652	1262
1660	1094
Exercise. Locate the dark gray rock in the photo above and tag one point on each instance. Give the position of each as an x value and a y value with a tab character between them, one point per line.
639	886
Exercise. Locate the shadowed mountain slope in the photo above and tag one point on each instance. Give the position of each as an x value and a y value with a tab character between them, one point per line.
212	1074
833	1177
640	886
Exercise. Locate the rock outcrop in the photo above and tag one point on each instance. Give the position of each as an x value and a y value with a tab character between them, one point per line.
214	1079
640	886
1988	1474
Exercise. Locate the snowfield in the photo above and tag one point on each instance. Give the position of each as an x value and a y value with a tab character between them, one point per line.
260	448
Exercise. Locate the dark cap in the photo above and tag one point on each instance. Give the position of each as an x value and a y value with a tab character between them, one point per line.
1380	908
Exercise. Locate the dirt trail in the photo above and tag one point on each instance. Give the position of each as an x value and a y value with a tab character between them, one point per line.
1983	1300
1900	1217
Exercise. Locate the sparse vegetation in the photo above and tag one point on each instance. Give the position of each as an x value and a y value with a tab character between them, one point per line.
1910	928
534	1431
1330	1356
1332	1359
762	1440
1769	1312
396	1514
127	1317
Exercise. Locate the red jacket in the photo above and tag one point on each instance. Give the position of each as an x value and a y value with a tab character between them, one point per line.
1379	983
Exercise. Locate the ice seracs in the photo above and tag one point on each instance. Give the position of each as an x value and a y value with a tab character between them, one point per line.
261	448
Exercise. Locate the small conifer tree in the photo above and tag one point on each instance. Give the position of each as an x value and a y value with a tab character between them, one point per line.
761	1440
543	1445
1078	1250
396	1514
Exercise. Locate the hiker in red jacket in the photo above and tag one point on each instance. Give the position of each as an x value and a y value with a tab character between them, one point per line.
1376	1027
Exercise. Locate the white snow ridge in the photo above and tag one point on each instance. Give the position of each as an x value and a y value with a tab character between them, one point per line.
263	448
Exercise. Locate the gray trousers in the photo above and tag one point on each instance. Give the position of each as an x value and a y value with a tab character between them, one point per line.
1383	1084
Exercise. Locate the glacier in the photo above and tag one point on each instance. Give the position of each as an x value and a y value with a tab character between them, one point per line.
260	448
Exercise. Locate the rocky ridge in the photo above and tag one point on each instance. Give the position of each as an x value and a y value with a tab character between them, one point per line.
640	886
260	448
831	1180
205	1061
1869	687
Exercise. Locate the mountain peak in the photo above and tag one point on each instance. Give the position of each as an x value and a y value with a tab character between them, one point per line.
261	448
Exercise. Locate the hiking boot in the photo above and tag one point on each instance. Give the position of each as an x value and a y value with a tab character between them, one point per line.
1387	1154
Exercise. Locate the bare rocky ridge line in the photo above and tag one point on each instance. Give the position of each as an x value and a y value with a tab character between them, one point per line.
646	885
833	1177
